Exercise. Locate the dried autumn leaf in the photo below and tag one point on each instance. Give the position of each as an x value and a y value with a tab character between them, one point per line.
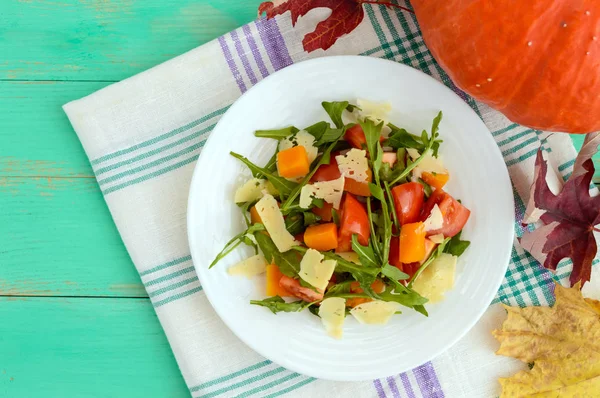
563	342
569	218
345	16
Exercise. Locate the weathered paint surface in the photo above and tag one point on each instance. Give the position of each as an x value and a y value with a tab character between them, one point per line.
74	319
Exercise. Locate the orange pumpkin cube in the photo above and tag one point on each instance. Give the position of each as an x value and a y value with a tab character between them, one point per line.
321	237
273	277
293	162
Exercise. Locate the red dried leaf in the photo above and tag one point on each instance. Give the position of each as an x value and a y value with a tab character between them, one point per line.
569	218
345	16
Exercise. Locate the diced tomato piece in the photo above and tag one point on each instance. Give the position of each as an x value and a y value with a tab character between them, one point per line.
394	258
353	220
293	286
411	268
359	188
356	137
429	248
324	212
328	172
408	201
455	214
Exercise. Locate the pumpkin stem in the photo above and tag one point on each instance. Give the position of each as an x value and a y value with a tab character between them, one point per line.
387	4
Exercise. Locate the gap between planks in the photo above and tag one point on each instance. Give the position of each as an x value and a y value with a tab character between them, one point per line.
60	80
17	296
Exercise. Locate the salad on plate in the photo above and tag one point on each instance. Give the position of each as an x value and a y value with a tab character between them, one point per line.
350	218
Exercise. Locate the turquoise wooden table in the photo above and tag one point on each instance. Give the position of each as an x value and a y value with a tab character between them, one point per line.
74	317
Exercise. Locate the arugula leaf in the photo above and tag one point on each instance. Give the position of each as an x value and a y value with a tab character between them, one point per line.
313	309
394	273
390	200
363	275
365	253
350	108
402	295
430	143
288	262
245	208
335	216
335	110
435	125
318	129
378	160
236	241
295	224
271	166
426	187
372	133
277	304
284	186
456	246
439	250
310	218
421	309
376	191
339	288
400	138
388	173
276	133
330	135
317	202
373	218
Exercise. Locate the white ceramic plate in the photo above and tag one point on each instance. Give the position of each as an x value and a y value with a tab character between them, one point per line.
293	96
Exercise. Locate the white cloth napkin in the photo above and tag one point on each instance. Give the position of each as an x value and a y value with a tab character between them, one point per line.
143	136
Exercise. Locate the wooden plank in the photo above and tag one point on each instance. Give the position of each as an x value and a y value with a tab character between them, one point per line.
108	40
36	138
57	238
85	348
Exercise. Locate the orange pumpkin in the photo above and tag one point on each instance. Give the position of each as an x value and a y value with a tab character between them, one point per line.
536	61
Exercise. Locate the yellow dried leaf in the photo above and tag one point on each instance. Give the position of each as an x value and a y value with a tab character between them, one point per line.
563	342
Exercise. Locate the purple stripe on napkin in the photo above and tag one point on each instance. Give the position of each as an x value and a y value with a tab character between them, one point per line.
407	386
393	387
242	54
232	66
255	51
428	381
274	43
379	388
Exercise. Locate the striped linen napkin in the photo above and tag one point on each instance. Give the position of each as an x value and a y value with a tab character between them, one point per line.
143	136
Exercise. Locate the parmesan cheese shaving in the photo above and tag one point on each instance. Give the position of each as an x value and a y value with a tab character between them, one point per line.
350	256
269	212
376	312
437	239
354	165
435	220
437	279
429	163
249	267
329	191
316	271
332	313
376	111
251	190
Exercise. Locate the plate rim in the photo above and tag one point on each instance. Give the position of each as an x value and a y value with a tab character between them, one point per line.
191	206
